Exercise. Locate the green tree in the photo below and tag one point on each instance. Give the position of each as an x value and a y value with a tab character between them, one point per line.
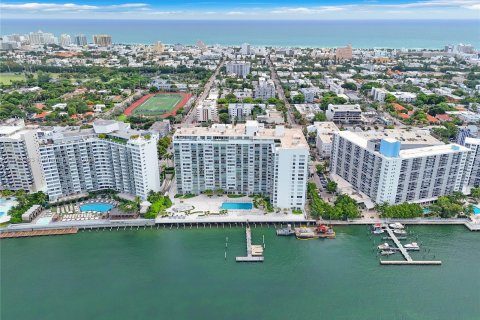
224	117
331	186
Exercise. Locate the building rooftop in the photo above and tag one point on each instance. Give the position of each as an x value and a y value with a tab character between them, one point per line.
417	137
413	144
289	138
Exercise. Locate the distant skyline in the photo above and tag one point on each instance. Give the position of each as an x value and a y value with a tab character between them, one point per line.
244	9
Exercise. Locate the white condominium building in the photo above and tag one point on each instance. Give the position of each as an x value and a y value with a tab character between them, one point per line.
243	159
207	111
472	173
397	166
240	111
240	69
264	89
65	40
41	38
20	167
109	156
323	142
344	113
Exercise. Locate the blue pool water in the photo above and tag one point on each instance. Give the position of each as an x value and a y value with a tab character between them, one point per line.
427	211
476	210
101	207
237	205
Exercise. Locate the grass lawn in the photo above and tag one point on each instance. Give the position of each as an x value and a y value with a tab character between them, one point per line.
7	78
122	118
158	104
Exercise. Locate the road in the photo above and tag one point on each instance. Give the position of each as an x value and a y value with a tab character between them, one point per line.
280	92
190	116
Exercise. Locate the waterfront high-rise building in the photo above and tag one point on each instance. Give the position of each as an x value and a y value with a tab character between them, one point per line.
245	49
240	69
102	40
41	38
264	89
65	40
344	53
109	156
243	159
472	172
81	40
20	167
158	47
396	166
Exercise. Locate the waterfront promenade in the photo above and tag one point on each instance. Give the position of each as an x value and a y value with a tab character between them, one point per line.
225	222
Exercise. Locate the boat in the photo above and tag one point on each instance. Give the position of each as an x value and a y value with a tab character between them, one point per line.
306	233
396	225
321	231
387	252
378	228
399	231
288	231
384	246
325	231
412	245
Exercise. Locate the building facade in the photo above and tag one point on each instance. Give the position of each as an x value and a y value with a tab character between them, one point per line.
102	40
20	167
395	168
111	156
344	113
243	159
264	89
472	173
80	40
240	69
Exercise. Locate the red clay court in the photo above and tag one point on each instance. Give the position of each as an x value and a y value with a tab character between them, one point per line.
163	104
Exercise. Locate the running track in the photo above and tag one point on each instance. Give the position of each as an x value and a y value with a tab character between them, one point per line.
173	112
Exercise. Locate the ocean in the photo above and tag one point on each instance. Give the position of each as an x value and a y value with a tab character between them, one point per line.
183	274
429	34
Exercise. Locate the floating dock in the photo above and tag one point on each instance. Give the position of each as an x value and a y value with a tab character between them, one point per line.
38	233
254	252
406	255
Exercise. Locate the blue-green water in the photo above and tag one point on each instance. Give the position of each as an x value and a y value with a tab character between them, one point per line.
182	274
431	34
237	205
100	207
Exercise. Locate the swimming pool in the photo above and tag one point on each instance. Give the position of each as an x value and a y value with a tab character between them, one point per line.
100	207
476	210
237	206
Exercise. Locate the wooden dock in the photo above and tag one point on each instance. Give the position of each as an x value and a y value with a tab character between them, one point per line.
408	259
400	247
249	257
411	263
37	233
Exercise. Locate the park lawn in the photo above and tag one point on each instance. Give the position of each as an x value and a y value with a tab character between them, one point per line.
158	104
7	78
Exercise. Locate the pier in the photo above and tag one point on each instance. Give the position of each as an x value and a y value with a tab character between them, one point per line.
408	259
254	253
37	233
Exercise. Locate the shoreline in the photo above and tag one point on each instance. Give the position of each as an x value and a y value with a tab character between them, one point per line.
216	223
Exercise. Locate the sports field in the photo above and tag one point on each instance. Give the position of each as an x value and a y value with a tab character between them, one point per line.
158	104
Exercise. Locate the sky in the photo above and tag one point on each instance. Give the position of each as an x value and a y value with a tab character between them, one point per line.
243	9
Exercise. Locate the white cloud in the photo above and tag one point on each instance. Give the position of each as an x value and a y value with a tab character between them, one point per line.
303	10
34	6
235	13
466	4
